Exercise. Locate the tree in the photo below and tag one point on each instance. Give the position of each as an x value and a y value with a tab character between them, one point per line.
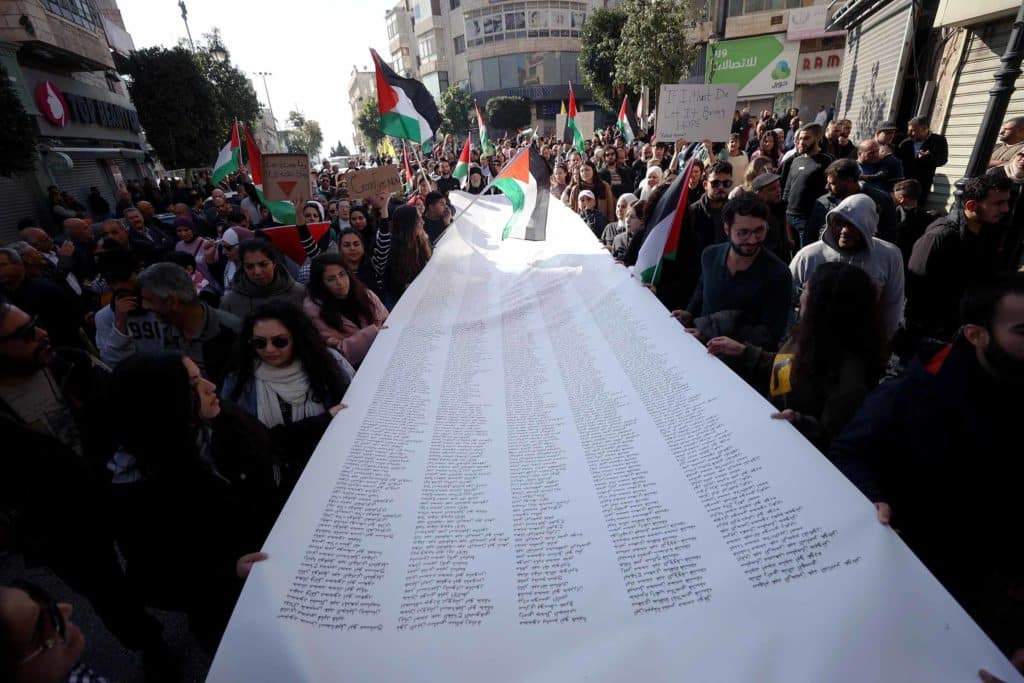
17	131
340	150
652	47
368	123
599	47
233	94
456	109
305	135
509	113
176	105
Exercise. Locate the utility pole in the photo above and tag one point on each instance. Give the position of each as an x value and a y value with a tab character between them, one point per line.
263	75
184	17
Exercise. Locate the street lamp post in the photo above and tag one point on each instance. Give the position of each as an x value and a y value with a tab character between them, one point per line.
263	75
184	17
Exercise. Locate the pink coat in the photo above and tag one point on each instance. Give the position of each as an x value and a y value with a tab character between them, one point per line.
352	341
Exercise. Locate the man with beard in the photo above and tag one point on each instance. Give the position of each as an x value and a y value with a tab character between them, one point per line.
704	216
934	450
54	413
744	291
955	253
803	181
446	183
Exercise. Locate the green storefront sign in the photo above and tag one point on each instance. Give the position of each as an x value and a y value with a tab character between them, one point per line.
760	66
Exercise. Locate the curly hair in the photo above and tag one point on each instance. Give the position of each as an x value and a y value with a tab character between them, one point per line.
326	381
410	248
356	306
842	317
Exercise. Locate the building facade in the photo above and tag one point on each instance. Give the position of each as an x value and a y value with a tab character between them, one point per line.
362	85
58	56
490	48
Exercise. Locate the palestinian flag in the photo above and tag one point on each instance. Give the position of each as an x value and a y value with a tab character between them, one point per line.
525	181
623	123
462	168
408	170
286	239
573	136
282	211
486	148
229	158
662	242
407	109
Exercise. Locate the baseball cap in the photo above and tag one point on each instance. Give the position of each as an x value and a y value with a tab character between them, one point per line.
764	180
587	193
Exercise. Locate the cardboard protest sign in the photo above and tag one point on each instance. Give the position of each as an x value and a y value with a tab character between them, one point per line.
285	177
695	112
372	181
584	121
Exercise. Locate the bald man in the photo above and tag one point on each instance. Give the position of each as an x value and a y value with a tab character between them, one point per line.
61	265
880	172
1011	139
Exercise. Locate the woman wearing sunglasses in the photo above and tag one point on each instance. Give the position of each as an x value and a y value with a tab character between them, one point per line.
283	373
207	486
38	640
346	313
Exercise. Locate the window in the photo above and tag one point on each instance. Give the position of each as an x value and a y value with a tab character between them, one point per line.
81	12
738	7
454	4
392	25
539	19
460	44
427	47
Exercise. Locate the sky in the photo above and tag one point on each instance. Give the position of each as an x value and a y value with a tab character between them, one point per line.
310	47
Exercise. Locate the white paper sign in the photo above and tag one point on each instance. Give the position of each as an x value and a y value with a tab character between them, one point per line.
584	121
541	477
695	112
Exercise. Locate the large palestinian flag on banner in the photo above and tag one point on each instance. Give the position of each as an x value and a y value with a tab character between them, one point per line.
407	109
662	242
526	181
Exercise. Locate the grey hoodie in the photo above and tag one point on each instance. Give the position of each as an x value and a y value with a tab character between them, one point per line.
880	259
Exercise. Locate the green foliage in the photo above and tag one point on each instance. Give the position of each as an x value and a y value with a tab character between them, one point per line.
508	113
233	94
17	131
176	105
340	150
599	47
368	123
456	109
305	135
653	49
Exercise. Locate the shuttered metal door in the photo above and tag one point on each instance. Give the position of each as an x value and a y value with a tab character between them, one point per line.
129	169
19	200
87	173
872	75
968	99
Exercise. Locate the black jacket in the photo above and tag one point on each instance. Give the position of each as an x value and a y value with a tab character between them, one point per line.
944	263
883	202
940	445
706	223
626	179
923	169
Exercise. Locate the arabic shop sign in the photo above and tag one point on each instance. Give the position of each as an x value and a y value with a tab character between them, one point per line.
763	65
60	108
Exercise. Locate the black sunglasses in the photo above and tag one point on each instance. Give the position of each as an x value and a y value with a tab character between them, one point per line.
721	183
280	341
48	605
24	333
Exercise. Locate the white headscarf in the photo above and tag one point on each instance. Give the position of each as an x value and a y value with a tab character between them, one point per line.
290	385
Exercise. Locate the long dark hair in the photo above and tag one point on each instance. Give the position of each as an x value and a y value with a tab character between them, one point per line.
842	317
410	248
357	306
326	382
157	427
596	185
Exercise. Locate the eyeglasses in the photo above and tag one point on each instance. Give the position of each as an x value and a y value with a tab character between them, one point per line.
24	333
281	341
720	183
49	607
743	233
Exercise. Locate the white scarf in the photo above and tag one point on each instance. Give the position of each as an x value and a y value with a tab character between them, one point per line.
291	384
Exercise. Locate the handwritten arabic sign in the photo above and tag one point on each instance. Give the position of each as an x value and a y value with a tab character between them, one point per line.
371	181
285	177
695	112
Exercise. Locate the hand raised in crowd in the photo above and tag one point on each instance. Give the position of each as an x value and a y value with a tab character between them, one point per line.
725	346
122	308
66	249
245	563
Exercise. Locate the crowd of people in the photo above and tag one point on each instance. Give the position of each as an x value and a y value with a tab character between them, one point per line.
171	370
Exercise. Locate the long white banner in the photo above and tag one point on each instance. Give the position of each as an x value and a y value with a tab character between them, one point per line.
541	477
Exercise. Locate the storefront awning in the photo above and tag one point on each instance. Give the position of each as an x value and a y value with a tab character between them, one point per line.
98	152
